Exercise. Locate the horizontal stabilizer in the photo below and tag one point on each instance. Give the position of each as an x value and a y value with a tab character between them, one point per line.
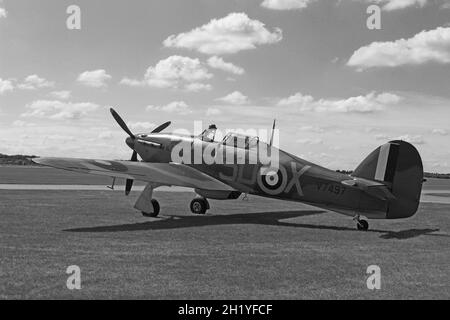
376	189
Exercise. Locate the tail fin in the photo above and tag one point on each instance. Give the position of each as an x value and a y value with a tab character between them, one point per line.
398	165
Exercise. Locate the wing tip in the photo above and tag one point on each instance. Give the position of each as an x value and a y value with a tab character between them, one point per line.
41	160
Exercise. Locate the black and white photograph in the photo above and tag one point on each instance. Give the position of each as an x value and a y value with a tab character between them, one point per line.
207	151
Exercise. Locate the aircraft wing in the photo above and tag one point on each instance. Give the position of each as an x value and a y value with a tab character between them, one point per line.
168	174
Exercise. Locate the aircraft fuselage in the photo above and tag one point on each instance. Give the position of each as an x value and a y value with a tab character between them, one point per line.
291	179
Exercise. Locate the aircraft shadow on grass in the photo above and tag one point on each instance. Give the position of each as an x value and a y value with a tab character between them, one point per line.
260	218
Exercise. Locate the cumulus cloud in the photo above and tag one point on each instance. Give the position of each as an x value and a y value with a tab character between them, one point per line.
315	129
6	86
3	13
179	107
230	34
174	72
197	86
59	110
286	4
390	5
426	46
144	125
63	94
415	139
33	82
441	132
218	63
371	102
22	124
236	98
310	141
94	78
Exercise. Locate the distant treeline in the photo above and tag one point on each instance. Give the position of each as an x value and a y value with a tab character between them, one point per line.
426	174
17	160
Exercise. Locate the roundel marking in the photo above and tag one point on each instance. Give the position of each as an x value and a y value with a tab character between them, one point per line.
272	180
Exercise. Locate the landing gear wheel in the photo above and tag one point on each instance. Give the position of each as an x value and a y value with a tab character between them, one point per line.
199	206
362	225
155	210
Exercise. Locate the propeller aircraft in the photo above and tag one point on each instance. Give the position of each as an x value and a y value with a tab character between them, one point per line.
386	185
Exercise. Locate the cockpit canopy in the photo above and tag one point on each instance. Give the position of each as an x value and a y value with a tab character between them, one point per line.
232	139
240	141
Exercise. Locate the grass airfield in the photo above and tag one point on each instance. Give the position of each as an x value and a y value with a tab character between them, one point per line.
261	248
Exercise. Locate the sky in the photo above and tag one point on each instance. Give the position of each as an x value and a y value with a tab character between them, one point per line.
337	88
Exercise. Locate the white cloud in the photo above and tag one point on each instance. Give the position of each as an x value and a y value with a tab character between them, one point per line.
426	46
382	136
218	63
236	98
144	125
197	86
3	13
390	5
63	94
6	86
213	112
371	102
33	82
59	110
297	99
310	141
174	72
21	124
441	132
415	139
230	34
179	107
94	78
314	129
132	82
285	4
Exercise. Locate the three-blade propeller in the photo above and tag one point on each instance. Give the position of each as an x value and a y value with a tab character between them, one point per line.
130	142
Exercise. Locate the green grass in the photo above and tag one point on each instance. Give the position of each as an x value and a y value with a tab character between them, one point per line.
256	249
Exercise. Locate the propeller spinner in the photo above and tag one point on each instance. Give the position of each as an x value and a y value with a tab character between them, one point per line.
130	141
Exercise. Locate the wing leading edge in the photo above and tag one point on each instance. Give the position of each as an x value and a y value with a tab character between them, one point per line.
169	174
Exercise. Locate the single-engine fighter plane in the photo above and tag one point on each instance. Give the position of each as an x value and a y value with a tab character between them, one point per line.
386	185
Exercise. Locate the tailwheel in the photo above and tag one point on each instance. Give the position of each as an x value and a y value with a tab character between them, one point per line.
199	205
362	225
155	212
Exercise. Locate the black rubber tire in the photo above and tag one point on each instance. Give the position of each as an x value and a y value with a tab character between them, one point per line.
199	206
362	225
155	212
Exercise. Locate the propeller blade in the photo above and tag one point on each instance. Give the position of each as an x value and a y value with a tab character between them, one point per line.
129	182
161	127
134	156
121	123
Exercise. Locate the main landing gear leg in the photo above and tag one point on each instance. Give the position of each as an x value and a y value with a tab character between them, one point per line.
361	224
148	206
